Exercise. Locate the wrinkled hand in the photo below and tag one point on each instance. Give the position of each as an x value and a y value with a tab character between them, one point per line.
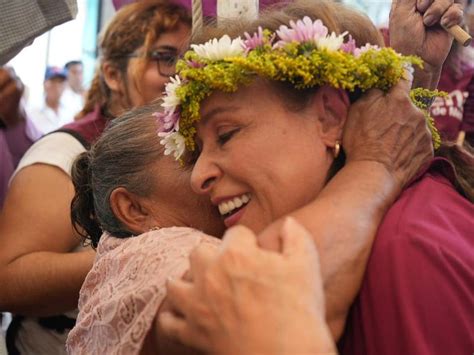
389	129
11	90
415	29
245	300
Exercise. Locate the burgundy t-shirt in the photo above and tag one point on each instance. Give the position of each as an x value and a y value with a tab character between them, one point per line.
417	296
87	129
456	111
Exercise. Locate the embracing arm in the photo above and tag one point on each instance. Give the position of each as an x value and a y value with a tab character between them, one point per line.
343	221
39	273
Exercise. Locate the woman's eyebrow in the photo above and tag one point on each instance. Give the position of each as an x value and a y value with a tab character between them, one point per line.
165	47
215	111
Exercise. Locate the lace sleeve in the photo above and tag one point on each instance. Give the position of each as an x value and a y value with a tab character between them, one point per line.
125	288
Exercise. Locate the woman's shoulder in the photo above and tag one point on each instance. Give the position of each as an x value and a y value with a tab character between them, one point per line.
57	149
429	212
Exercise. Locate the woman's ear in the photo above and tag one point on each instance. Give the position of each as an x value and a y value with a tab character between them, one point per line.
113	77
332	107
130	210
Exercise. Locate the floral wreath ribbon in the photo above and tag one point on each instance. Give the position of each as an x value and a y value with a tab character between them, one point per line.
303	54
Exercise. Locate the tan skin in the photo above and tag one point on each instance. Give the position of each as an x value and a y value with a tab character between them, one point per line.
39	274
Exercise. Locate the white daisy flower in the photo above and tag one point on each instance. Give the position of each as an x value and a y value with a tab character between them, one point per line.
217	49
170	100
332	42
174	144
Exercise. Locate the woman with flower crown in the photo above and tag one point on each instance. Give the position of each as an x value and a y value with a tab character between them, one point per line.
290	148
263	117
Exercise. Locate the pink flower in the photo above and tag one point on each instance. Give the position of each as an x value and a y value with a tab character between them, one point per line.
349	46
167	121
305	30
254	41
359	51
195	64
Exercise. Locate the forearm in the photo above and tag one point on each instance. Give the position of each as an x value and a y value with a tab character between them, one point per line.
343	220
44	283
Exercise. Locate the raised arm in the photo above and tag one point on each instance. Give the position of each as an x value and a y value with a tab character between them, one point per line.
415	28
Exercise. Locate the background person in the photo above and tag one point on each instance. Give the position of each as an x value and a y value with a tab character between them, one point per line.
74	94
454	114
51	114
43	263
17	132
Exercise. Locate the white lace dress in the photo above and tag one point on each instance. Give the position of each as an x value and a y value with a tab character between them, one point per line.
121	295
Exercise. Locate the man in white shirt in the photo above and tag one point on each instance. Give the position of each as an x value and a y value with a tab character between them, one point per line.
51	114
74	93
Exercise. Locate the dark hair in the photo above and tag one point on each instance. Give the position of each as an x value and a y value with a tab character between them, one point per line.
71	63
337	18
137	24
121	157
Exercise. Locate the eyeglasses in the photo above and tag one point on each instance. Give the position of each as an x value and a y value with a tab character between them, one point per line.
165	61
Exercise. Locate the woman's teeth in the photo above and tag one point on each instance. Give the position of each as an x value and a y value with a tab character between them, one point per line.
230	205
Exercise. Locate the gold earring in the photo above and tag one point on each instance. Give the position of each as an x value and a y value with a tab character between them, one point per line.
337	149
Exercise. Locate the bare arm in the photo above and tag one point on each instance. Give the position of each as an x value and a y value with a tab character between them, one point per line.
39	273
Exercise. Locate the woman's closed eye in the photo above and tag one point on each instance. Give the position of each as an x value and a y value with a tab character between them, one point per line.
225	136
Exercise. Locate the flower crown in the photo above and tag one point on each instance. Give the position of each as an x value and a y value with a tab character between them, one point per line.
304	54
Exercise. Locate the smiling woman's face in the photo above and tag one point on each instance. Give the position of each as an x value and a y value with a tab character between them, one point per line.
258	161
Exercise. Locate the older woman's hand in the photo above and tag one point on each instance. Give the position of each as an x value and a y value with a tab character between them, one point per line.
389	129
415	29
245	300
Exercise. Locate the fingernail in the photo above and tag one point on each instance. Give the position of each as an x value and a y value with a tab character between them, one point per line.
445	22
408	73
422	4
428	20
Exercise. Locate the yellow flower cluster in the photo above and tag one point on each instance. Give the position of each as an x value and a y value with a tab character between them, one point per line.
301	64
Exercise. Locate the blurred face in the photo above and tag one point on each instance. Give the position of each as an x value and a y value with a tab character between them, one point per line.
75	76
258	161
160	66
178	204
54	88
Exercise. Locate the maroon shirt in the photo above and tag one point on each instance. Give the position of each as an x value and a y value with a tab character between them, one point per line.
456	111
87	129
417	294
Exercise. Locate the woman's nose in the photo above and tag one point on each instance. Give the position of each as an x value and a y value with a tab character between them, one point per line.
204	175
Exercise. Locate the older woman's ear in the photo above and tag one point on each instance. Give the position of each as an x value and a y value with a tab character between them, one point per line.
130	210
332	106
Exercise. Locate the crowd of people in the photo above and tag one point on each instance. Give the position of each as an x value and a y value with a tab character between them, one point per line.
258	186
